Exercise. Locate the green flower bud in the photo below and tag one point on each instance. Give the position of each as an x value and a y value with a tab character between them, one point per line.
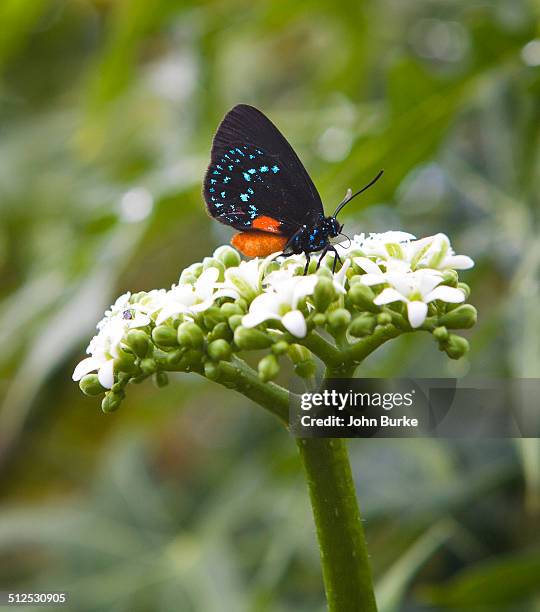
456	346
235	321
164	335
268	368
148	366
228	256
125	362
138	342
172	358
112	401
305	369
189	334
161	379
440	334
318	319
191	360
219	350
211	262
362	297
465	288
221	330
280	348
251	339
299	353
338	319
384	318
211	370
122	381
450	278
230	308
191	273
212	316
324	294
462	317
90	385
362	325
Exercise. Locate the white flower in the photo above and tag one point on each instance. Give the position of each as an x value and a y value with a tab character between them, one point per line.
436	252
241	281
104	346
374	273
280	302
417	290
387	244
277	277
191	299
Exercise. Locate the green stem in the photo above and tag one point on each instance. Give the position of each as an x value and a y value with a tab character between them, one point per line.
344	557
358	351
238	375
325	351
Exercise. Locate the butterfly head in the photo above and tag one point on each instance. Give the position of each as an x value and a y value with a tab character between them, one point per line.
334	226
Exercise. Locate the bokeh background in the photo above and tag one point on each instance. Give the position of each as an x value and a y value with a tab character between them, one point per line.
190	498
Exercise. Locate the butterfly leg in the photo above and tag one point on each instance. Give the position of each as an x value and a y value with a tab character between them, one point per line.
307	263
336	257
330	247
324	251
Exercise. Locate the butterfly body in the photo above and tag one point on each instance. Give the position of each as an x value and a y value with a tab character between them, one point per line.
314	235
256	184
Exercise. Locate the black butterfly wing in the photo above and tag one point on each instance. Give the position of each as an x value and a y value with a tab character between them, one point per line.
254	173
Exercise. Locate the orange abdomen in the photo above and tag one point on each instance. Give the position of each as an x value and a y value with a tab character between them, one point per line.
258	244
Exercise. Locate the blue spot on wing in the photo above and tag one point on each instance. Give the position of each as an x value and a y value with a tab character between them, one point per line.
239	203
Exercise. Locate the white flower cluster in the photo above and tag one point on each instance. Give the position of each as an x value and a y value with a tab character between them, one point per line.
411	277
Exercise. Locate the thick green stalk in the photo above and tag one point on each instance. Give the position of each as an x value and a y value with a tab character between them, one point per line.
238	375
344	557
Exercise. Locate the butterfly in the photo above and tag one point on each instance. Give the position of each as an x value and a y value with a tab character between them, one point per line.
256	184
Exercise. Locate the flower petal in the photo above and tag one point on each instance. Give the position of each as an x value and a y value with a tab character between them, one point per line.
372	279
106	374
294	322
202	306
458	262
171	311
446	294
140	320
252	319
302	287
367	265
416	312
388	296
427	281
204	285
85	367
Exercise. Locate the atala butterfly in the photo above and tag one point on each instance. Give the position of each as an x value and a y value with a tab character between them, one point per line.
256	184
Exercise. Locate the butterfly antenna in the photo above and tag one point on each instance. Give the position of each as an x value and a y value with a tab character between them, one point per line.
342	234
350	195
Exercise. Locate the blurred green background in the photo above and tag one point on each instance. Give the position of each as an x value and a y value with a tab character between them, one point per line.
190	498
